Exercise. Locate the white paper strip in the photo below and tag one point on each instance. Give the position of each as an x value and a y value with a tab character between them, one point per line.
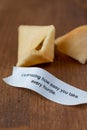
47	85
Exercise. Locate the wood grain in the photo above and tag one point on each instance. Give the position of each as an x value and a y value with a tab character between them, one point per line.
22	109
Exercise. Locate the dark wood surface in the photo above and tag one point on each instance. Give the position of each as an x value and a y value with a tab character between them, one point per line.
22	109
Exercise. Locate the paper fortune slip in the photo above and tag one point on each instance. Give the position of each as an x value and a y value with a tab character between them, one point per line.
47	85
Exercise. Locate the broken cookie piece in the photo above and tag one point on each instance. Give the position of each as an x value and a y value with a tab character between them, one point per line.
74	44
35	45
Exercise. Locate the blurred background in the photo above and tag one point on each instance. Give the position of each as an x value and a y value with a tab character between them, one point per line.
64	14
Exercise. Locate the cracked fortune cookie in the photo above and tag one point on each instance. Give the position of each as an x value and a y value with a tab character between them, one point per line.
35	44
74	44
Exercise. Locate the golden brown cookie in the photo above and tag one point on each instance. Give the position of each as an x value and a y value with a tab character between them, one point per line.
35	45
74	44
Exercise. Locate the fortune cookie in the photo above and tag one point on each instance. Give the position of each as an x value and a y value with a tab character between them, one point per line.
35	45
74	44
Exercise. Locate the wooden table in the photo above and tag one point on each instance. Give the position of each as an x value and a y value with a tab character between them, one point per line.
22	109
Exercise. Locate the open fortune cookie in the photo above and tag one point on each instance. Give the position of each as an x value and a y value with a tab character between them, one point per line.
35	45
74	44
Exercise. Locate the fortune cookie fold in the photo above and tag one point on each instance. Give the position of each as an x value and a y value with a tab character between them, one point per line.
74	44
35	45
